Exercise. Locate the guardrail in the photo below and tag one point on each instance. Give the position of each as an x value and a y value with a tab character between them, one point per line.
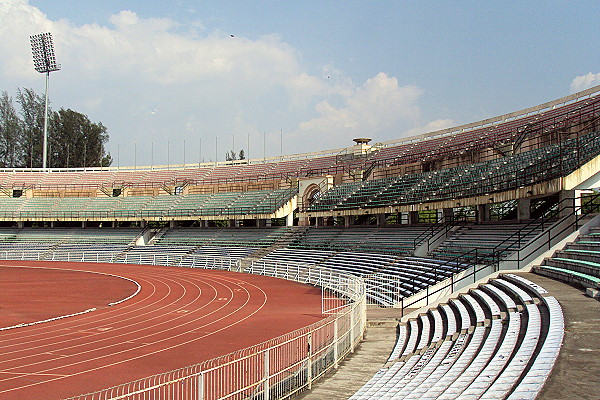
480	262
274	369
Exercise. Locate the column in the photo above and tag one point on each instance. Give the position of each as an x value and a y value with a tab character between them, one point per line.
524	209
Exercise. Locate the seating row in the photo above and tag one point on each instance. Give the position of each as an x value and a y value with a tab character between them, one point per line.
482	240
374	240
494	135
388	278
497	341
501	174
578	262
234	203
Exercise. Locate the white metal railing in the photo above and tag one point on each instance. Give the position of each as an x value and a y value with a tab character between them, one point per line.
274	369
382	291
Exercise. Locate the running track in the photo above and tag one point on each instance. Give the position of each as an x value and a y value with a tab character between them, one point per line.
179	317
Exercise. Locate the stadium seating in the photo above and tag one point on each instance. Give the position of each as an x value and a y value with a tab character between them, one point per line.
406	151
578	262
65	243
365	239
479	345
486	239
232	203
483	178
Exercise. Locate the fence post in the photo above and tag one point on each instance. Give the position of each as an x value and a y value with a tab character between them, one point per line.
309	362
352	322
335	343
402	307
266	373
201	386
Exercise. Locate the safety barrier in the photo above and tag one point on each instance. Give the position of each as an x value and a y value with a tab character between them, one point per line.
274	369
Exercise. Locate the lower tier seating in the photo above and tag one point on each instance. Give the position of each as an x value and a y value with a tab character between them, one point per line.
389	278
486	239
497	341
578	262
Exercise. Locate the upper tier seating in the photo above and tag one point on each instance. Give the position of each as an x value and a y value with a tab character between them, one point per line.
487	135
497	175
498	341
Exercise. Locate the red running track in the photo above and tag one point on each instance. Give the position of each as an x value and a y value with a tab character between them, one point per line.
179	317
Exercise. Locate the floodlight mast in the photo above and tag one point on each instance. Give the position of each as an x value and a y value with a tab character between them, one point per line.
44	62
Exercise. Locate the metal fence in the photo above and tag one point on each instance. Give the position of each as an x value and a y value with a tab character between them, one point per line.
275	369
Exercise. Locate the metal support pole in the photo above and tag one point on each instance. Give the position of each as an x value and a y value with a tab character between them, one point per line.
45	155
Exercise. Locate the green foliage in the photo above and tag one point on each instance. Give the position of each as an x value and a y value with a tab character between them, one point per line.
232	156
73	140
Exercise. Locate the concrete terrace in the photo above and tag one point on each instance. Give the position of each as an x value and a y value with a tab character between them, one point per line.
575	374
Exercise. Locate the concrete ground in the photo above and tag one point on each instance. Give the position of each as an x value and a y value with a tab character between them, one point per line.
366	360
576	374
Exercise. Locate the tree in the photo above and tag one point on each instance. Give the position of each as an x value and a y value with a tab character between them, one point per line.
75	141
232	156
10	131
31	143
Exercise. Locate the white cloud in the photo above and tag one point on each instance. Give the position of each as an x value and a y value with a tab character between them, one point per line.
432	126
379	105
583	82
152	80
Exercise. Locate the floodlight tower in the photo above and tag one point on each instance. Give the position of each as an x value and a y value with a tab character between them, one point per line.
44	62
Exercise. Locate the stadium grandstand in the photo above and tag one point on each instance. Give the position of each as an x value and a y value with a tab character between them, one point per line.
440	230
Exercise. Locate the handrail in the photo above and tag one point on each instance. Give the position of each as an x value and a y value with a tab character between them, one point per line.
425	235
492	260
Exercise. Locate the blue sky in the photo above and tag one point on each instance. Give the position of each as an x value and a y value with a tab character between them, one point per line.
322	72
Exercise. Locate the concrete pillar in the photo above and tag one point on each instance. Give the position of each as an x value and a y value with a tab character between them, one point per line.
232	223
413	217
172	223
448	215
289	219
483	212
567	206
319	221
578	194
303	221
143	224
523	209
348	220
268	222
380	219
20	224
